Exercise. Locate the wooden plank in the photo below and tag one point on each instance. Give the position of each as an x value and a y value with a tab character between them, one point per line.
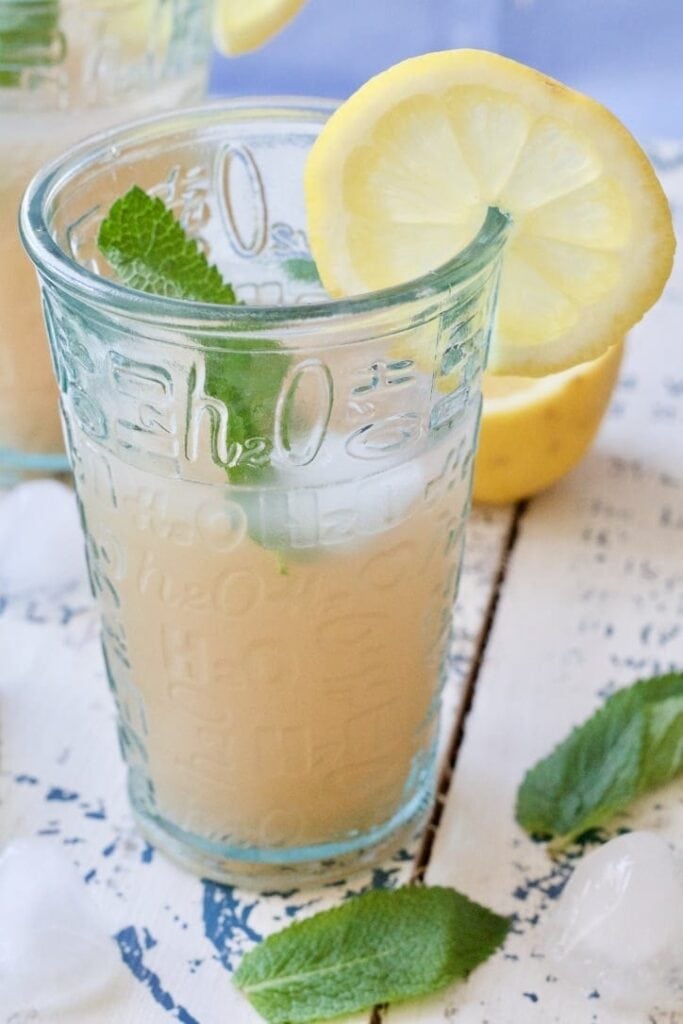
62	780
488	530
593	599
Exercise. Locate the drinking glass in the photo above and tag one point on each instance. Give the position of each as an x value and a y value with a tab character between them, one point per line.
69	68
273	496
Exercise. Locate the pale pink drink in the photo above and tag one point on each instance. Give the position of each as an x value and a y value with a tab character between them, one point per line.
69	68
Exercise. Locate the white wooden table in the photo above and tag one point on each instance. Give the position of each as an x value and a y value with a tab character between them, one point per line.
561	601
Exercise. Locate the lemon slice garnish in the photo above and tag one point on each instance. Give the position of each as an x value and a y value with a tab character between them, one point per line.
402	175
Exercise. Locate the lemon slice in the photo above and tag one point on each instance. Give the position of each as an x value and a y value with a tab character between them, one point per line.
402	175
243	25
534	430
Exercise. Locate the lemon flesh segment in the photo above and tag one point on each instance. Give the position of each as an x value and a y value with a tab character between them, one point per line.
534	430
402	175
240	26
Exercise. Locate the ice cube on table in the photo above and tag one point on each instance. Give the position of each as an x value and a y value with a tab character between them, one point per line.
55	950
41	543
618	928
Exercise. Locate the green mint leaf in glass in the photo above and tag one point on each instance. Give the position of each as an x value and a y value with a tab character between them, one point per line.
300	269
248	383
28	30
149	250
383	946
633	744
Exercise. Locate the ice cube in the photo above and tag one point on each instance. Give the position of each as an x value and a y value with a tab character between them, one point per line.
41	544
332	506
55	950
618	928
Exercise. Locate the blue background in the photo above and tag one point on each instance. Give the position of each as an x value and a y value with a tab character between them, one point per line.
627	53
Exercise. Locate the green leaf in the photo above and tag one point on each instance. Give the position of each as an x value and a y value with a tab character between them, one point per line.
633	744
149	250
300	269
248	383
28	28
383	946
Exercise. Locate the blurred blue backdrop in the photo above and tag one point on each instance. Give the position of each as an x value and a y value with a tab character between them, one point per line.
627	53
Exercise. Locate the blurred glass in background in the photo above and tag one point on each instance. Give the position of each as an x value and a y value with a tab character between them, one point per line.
626	53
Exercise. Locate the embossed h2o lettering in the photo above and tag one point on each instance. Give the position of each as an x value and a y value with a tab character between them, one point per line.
144	405
185	191
241	188
74	366
373	398
217	523
200	405
303	411
201	408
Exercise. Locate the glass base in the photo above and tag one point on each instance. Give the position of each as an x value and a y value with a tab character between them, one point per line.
272	869
16	466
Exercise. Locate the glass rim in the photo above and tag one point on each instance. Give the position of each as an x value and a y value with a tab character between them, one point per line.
56	265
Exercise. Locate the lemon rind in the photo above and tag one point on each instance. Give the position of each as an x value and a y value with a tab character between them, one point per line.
646	266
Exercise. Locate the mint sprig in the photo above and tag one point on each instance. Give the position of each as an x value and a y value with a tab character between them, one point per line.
149	250
632	745
383	946
27	30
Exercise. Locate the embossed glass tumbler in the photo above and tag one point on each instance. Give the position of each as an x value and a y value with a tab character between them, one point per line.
273	496
69	68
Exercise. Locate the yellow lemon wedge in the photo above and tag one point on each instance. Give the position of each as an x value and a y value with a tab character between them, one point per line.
534	430
243	25
401	176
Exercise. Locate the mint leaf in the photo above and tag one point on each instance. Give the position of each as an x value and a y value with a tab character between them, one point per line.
633	744
149	250
383	946
300	269
27	30
248	383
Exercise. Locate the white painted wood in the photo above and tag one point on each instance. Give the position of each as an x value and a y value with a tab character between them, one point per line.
487	534
593	600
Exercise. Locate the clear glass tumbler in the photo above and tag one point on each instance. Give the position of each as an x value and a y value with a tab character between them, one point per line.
69	68
273	496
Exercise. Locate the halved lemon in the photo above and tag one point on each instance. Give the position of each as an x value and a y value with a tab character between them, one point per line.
402	175
534	430
243	25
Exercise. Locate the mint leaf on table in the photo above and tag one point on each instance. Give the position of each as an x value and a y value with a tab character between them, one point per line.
383	946
150	251
633	744
26	31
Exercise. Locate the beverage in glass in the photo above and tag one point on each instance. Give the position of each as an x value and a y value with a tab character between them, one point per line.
69	68
273	495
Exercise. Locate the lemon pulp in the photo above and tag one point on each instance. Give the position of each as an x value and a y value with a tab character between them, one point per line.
402	175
